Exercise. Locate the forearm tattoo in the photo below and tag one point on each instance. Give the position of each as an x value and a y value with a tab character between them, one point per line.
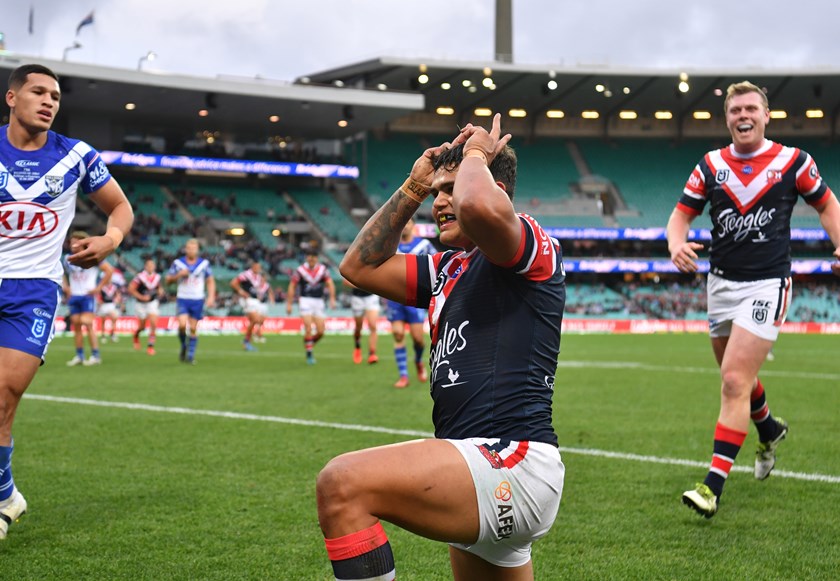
379	237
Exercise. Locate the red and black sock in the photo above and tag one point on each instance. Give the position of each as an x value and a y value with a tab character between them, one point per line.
364	555
728	443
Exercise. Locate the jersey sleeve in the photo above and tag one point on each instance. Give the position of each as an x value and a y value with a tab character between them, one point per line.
693	198
538	255
421	276
96	172
809	182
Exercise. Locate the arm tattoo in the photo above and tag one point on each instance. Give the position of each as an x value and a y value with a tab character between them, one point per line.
380	236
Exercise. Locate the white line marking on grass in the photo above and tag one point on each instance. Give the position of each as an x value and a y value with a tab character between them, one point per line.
713	370
417	433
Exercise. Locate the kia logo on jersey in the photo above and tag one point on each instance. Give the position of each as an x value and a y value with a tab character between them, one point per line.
26	220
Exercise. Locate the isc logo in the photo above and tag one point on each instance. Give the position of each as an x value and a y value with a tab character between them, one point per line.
26	220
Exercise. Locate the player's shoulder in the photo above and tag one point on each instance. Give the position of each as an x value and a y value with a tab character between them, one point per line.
63	143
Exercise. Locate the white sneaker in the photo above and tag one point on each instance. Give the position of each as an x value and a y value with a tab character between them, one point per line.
93	361
10	511
75	361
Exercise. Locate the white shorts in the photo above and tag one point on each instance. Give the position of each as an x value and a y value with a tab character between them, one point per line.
143	310
312	306
252	305
759	306
107	309
518	489
360	305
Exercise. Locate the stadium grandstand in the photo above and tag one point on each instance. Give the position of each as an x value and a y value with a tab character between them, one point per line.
257	169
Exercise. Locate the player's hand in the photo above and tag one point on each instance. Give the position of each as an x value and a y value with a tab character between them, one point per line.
288	308
835	267
183	273
89	252
490	143
423	171
685	257
210	302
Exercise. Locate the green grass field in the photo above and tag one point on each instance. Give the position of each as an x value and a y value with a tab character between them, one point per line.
146	468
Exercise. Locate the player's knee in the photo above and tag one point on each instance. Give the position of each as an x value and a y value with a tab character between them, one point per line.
735	385
335	487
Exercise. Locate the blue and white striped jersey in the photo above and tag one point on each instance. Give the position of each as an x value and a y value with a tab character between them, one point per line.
38	201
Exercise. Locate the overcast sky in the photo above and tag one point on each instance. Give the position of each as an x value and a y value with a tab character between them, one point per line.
285	39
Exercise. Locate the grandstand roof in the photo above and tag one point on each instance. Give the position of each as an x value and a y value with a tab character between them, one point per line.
647	90
167	103
310	107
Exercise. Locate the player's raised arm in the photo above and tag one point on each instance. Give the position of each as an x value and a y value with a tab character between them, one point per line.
372	263
482	205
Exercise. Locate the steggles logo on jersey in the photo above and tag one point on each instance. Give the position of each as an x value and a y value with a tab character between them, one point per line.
26	220
55	185
740	227
449	342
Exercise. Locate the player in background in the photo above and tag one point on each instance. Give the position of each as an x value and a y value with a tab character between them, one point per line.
365	308
110	305
313	279
401	315
751	187
42	174
193	275
490	482
81	287
147	290
253	290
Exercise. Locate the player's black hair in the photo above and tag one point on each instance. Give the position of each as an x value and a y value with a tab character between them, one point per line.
503	166
18	77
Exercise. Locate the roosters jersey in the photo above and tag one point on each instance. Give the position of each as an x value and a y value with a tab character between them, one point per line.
192	287
38	202
109	293
495	333
312	281
751	199
147	284
81	280
253	284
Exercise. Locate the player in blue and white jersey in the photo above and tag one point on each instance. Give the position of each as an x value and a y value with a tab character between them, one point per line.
193	274
401	315
751	187
81	287
490	483
41	173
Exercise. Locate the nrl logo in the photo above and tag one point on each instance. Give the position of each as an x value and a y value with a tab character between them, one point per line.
722	176
55	185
